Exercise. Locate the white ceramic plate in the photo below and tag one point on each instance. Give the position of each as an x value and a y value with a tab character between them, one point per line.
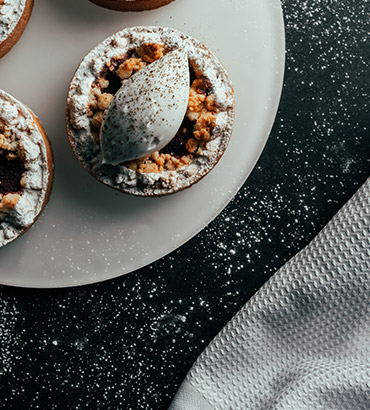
88	232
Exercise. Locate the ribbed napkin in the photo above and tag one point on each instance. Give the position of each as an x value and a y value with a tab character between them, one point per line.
303	341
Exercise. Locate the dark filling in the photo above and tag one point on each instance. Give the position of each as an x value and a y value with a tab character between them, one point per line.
109	73
10	174
176	147
206	87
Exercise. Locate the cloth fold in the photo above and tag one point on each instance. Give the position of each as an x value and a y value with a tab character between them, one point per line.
303	341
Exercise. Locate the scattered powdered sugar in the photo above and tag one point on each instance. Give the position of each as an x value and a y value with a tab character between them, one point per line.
10	13
9	317
36	176
119	176
128	343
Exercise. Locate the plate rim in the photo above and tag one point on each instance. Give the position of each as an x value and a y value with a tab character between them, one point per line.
205	222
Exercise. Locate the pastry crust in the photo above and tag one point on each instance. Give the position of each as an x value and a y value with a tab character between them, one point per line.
10	226
146	180
49	161
131	5
14	36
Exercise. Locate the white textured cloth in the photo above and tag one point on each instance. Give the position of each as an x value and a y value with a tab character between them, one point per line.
303	341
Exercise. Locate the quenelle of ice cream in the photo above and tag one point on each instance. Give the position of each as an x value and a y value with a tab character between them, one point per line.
147	110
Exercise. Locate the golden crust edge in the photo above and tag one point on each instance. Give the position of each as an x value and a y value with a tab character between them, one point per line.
16	34
137	5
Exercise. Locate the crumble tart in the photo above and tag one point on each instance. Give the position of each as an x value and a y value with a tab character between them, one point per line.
26	168
14	16
204	131
131	5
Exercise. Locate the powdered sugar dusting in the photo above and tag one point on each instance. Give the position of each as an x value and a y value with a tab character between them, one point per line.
9	317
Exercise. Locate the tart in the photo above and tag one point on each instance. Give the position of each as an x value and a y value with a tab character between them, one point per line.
132	5
26	168
109	74
14	16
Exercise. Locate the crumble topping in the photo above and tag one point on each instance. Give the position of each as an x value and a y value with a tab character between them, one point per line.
8	202
151	52
129	67
201	139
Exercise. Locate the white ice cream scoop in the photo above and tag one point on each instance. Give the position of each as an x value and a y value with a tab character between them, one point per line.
147	111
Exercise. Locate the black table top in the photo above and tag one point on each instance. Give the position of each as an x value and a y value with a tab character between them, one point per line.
128	343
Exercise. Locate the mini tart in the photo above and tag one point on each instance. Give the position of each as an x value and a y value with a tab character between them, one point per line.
202	137
131	5
26	168
14	16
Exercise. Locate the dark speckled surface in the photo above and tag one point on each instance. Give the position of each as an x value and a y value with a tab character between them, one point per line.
129	342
